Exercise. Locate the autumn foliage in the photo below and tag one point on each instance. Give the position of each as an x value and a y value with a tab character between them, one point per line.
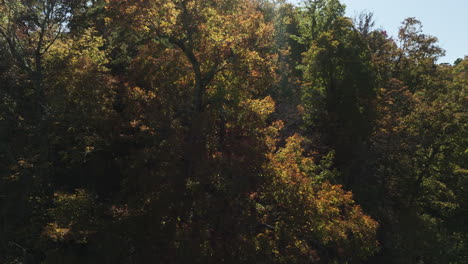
226	131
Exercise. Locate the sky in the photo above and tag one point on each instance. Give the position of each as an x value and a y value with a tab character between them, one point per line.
447	20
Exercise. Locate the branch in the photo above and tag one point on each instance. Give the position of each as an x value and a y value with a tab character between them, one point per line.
15	52
40	42
53	41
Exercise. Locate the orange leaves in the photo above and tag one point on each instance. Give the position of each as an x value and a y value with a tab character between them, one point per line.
311	214
144	16
222	43
271	134
139	94
288	162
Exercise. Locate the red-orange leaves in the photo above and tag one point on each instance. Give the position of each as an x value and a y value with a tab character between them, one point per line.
312	220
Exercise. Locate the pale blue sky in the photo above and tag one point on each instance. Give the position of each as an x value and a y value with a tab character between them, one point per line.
447	19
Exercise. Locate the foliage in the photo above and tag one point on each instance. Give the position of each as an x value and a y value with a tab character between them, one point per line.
226	131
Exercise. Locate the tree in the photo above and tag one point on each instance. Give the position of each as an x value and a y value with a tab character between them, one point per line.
318	16
214	131
30	28
338	91
417	55
417	168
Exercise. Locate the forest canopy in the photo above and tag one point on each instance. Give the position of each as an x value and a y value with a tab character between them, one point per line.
227	131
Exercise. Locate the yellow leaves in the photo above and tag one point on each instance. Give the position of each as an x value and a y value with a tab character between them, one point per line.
217	29
89	150
138	124
139	94
25	164
263	107
167	17
286	20
79	194
82	52
71	217
54	232
107	20
335	43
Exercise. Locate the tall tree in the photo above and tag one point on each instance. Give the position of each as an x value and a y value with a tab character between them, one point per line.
338	92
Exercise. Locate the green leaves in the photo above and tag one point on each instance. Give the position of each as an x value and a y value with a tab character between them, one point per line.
226	131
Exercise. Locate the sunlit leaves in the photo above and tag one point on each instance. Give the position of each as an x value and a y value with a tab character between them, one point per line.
311	217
